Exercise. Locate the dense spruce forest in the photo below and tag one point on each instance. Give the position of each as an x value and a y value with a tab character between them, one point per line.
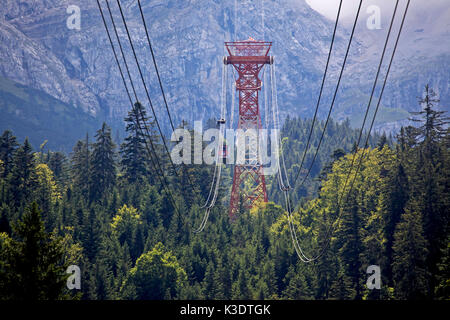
104	209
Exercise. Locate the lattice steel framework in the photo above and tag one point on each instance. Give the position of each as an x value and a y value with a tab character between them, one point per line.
248	58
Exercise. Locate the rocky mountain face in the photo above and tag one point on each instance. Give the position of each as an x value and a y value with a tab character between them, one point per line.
77	66
422	58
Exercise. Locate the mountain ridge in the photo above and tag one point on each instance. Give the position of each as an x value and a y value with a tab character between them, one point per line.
77	67
31	113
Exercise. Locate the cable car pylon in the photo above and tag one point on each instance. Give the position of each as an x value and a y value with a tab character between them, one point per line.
248	58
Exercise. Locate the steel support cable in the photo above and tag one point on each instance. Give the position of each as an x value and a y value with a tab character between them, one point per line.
231	126
155	64
223	112
233	102
157	164
339	205
370	98
258	157
216	191
217	154
221	131
280	178
220	148
288	206
211	187
121	50
217	184
135	94
214	184
334	96
218	167
277	112
275	126
320	94
379	98
145	88
266	103
282	186
161	176
126	66
298	249
213	201
162	89
115	54
233	98
372	122
166	104
131	102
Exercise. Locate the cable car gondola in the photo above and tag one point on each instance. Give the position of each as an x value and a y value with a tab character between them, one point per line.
223	153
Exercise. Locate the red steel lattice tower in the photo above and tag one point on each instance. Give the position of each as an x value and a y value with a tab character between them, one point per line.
248	58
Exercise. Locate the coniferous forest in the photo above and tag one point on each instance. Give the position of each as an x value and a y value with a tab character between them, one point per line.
104	209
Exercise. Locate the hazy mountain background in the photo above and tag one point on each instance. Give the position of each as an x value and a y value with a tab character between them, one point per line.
43	58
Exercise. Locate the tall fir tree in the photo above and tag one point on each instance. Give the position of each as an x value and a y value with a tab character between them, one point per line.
427	185
350	248
23	175
81	167
103	169
135	161
409	267
8	145
395	196
35	266
57	162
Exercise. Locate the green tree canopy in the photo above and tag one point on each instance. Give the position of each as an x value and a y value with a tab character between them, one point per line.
32	261
157	275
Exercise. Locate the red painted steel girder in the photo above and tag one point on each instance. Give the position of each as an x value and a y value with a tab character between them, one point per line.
248	57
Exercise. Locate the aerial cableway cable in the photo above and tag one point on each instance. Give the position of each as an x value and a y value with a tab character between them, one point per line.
372	122
115	53
295	242
334	97
148	97
233	99
162	88
161	179
218	167
134	90
283	186
275	124
157	162
288	205
224	98
366	144
320	94
222	116
355	152
145	87
155	64
340	199
188	176
266	103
